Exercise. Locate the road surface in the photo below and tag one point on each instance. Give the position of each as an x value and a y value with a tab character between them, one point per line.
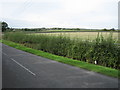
25	70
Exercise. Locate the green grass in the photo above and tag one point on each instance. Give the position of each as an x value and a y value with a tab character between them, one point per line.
80	64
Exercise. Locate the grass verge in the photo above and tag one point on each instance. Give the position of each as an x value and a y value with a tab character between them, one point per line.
96	68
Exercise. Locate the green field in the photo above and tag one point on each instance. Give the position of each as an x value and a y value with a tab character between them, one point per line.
82	35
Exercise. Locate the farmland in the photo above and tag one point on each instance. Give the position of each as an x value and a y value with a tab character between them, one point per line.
100	47
81	35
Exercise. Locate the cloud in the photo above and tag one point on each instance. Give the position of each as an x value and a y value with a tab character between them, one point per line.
62	13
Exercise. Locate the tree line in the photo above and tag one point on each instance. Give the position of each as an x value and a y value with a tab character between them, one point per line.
5	27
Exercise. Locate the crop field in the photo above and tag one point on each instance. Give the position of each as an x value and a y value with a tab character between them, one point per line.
82	35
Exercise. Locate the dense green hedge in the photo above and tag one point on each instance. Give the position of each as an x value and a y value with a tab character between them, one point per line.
103	51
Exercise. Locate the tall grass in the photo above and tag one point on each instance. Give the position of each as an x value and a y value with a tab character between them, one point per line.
102	50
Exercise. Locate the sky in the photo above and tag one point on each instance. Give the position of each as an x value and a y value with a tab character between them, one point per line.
91	14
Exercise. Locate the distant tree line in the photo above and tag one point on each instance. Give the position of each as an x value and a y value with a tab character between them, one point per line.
4	27
41	29
108	29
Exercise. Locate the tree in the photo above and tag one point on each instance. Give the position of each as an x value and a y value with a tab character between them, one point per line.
4	26
105	29
112	29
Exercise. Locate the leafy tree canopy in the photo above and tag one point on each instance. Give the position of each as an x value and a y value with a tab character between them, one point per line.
4	26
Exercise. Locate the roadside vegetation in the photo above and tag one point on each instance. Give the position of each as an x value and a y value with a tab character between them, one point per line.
0	35
100	51
77	63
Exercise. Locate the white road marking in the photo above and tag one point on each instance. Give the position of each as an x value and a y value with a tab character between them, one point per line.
21	65
5	54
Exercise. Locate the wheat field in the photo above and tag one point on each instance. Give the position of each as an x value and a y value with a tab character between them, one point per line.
82	35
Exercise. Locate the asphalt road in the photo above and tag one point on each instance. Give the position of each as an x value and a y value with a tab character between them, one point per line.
25	70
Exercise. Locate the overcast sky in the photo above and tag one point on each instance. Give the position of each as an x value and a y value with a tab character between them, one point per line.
60	13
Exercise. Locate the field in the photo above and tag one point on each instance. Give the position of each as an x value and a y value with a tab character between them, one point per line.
82	35
99	48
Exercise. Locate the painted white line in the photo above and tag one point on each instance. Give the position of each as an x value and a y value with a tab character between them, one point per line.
21	65
5	54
